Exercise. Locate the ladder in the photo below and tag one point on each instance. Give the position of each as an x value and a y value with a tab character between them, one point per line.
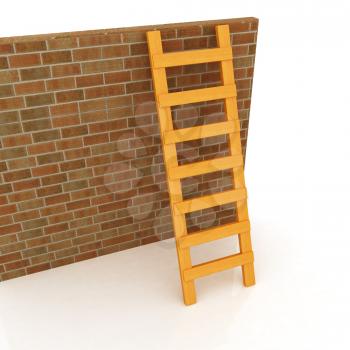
175	172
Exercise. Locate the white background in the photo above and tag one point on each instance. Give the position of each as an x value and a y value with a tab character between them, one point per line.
297	168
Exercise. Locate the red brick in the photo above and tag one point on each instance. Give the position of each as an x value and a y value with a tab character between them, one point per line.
19	140
189	31
30	46
7	209
117	77
136	62
27	60
16	175
38	268
61	198
64	109
41	148
66	70
69	143
65	121
96	139
30	88
245	38
25	185
89	80
11	103
6	48
45	170
104	91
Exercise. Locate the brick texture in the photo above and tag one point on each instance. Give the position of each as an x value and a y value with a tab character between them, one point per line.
81	166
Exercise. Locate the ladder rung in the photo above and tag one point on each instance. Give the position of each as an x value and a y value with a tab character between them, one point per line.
210	201
213	234
197	95
183	58
218	265
202	131
204	167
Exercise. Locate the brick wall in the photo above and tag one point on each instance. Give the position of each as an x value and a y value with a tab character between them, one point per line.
82	173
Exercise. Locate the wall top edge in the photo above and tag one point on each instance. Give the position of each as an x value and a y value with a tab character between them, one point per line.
38	37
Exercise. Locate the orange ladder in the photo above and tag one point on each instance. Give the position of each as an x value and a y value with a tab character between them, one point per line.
175	172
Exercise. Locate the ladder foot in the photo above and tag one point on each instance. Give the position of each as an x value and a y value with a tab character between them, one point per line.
248	275
189	293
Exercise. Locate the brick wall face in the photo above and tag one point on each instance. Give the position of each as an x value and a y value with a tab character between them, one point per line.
82	172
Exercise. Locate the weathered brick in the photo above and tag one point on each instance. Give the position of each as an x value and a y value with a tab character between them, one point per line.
102	66
30	46
39	100
47	135
26	215
75	131
21	163
100	39
134	36
72	165
189	31
34	113
8	117
91	53
50	158
31	204
6	91
62	43
35	73
35	125
60	84
8	76
56	57
10	129
68	96
13	153
115	51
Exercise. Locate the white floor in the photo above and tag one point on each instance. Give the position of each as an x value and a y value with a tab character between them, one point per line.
132	300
